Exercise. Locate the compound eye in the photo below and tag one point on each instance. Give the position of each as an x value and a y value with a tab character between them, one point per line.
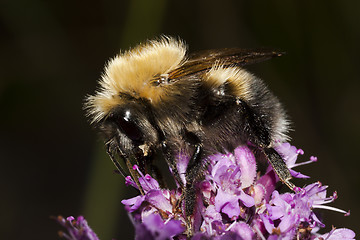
129	127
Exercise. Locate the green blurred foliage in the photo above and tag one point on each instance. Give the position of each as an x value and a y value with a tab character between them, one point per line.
53	52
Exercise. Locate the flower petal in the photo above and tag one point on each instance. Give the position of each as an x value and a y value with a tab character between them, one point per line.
134	203
157	199
339	234
227	203
247	163
243	230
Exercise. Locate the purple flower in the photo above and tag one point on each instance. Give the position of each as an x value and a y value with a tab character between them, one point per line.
134	203
286	212
230	174
153	227
155	213
243	230
290	154
156	197
233	202
77	229
338	234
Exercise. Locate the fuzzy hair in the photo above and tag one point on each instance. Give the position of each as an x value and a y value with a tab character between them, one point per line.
132	72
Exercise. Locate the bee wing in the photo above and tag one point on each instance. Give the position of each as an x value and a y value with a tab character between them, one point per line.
203	60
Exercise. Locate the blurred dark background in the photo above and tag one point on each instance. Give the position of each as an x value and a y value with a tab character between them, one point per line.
53	52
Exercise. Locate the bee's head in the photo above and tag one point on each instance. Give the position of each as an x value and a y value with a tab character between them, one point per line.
130	127
130	83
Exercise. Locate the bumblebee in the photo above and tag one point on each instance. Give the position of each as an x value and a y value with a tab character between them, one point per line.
156	99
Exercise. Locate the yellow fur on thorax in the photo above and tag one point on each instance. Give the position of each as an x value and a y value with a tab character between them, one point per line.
237	77
131	73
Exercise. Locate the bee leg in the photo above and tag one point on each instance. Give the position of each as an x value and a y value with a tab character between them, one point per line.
169	158
194	165
189	192
260	136
192	173
115	162
134	174
279	166
189	196
156	174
